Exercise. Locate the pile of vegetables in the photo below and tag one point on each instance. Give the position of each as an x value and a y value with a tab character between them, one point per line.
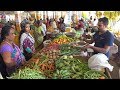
49	53
56	61
50	47
47	57
46	63
62	39
66	49
28	73
31	63
92	74
68	67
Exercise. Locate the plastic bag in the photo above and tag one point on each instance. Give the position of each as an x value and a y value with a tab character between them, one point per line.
98	62
83	54
1	76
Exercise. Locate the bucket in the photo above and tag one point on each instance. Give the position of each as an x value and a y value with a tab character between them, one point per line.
46	42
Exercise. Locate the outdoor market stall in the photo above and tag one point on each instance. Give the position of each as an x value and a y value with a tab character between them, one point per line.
63	55
59	59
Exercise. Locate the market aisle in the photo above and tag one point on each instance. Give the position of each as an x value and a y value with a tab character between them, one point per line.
115	72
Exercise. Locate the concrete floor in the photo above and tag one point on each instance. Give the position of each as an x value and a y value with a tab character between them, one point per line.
115	73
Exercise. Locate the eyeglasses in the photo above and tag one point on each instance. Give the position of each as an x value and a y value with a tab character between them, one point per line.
13	33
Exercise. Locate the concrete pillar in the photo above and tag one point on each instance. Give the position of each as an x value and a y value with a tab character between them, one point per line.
18	28
17	20
38	16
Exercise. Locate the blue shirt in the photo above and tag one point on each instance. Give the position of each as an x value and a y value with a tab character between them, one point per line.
106	38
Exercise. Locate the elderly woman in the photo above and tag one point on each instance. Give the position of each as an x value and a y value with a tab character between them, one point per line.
10	54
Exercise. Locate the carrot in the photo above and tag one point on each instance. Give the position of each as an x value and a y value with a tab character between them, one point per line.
43	67
37	61
51	67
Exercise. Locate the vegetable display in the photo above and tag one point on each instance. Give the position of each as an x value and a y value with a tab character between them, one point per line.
66	49
28	73
57	61
62	39
92	74
68	67
31	63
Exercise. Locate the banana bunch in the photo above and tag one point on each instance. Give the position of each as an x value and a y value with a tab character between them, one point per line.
98	14
107	14
85	14
114	16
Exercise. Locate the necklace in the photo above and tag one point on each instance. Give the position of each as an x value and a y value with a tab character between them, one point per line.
9	43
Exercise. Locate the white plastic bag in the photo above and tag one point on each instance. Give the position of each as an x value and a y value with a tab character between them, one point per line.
1	76
98	62
83	54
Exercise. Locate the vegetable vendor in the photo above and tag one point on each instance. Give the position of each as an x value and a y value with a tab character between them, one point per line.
103	39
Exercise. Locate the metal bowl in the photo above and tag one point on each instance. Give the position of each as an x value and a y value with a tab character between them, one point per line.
70	34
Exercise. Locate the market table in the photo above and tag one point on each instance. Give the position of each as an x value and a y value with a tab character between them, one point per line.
105	70
50	58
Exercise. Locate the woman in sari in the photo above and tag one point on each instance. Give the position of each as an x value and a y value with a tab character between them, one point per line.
10	54
26	42
38	33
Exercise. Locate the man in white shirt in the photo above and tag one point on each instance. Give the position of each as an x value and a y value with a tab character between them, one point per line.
54	25
44	29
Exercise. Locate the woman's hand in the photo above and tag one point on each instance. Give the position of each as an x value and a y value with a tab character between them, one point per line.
23	62
33	51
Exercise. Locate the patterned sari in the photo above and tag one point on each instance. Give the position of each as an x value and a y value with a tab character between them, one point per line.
38	36
16	55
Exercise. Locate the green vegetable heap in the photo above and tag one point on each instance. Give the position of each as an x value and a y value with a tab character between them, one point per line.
68	67
92	74
27	73
66	49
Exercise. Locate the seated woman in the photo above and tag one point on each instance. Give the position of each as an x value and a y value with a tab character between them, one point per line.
26	41
50	27
10	54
